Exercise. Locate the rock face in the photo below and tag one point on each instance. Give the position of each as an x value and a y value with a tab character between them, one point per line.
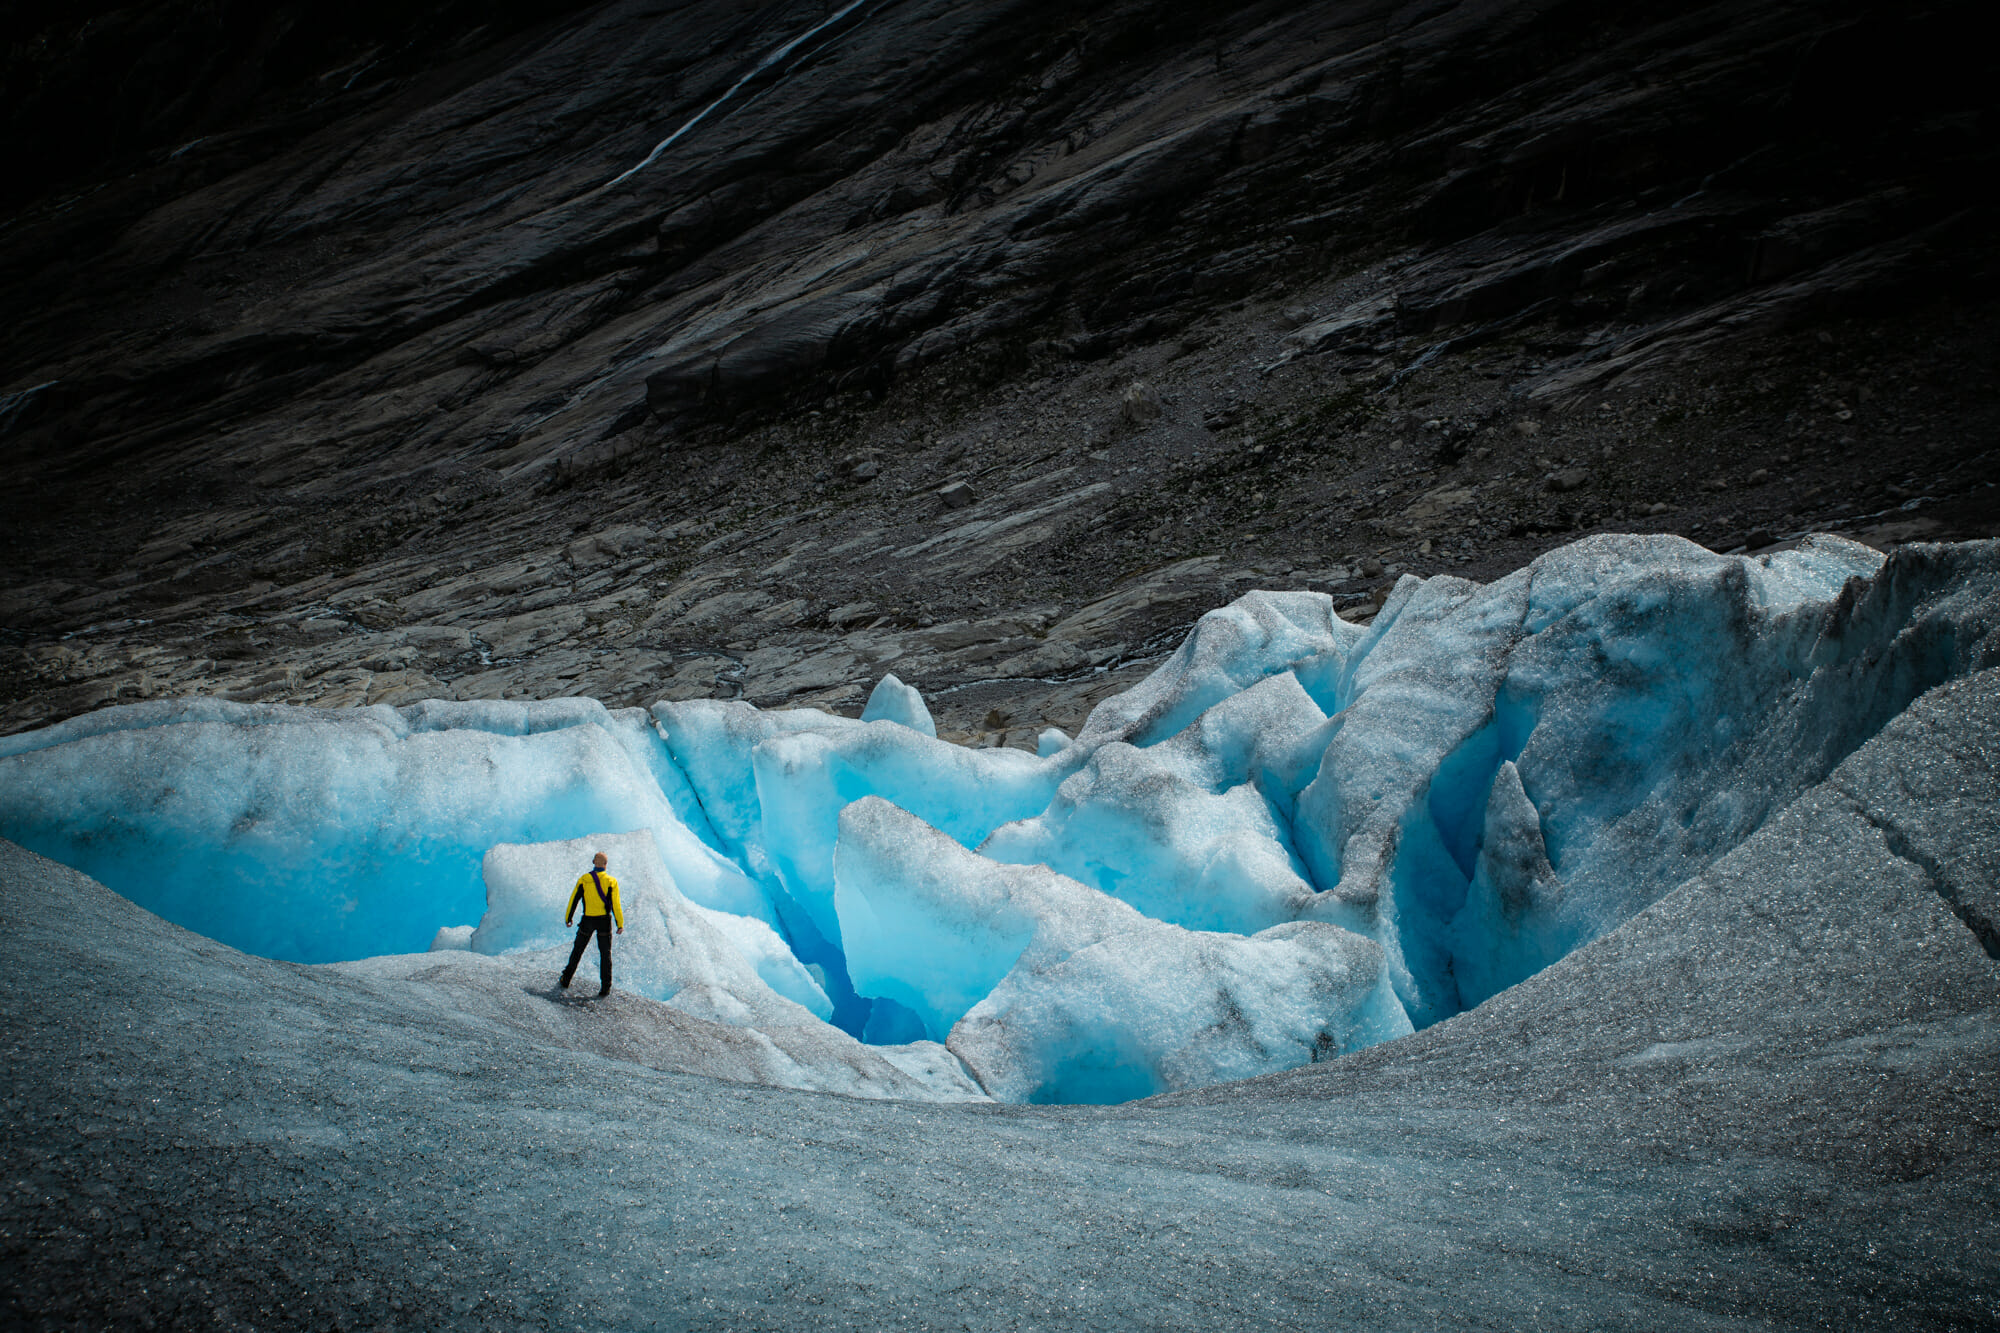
1767	1100
363	320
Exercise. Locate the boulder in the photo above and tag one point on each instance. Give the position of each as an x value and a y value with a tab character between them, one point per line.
1140	404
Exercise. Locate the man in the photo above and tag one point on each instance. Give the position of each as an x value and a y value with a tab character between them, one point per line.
597	893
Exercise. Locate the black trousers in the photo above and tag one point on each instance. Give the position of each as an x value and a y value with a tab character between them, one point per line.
599	926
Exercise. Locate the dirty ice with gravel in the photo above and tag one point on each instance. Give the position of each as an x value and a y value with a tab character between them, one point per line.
1296	838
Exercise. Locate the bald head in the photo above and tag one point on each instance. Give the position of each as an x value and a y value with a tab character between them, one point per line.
599	861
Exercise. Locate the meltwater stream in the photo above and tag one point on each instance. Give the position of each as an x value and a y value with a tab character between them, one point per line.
1295	838
766	72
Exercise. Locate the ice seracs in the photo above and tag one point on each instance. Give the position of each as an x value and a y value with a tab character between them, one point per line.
1657	703
1505	933
1295	837
1195	829
325	834
773	784
893	701
1052	991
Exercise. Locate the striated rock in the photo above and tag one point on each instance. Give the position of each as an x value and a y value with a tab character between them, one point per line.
345	324
615	543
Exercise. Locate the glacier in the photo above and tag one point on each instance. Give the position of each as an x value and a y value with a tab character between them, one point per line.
1297	838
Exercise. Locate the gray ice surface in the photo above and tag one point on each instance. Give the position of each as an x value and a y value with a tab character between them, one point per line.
1768	1100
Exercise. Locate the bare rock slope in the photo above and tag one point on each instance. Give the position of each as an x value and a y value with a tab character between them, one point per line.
608	348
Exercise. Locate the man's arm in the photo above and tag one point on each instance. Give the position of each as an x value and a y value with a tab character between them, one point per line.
574	898
617	907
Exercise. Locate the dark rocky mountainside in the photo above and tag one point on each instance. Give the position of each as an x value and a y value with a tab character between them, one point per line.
645	350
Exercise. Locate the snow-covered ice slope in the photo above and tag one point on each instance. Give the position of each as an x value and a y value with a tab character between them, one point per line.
1296	837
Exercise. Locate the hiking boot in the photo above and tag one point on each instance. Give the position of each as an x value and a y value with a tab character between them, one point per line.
564	983
606	991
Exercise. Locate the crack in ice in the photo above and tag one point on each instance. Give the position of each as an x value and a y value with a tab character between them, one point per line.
1899	845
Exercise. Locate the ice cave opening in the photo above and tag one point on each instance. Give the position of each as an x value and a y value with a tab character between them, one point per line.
1296	838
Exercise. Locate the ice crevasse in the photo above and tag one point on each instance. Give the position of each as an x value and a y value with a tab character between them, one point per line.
1297	837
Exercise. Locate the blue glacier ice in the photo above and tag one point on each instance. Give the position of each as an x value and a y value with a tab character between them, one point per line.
1196	829
1296	837
719	965
773	783
1053	992
893	701
319	835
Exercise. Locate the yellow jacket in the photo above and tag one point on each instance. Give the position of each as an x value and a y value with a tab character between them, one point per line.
594	889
